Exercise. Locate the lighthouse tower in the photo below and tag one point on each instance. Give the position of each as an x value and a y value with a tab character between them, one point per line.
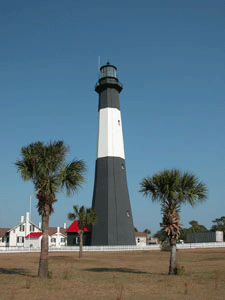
110	197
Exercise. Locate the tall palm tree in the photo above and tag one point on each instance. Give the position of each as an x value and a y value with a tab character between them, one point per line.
172	188
46	167
86	217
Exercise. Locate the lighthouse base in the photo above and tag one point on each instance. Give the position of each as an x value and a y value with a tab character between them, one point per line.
112	204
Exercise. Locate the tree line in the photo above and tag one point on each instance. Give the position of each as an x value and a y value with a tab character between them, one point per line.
218	225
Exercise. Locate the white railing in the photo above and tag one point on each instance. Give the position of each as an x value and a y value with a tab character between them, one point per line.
111	248
77	248
108	248
201	245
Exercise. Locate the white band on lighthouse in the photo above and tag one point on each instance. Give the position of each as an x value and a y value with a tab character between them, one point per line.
110	134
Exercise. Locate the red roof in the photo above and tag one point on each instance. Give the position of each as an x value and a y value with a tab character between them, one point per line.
52	230
34	235
74	227
139	234
3	231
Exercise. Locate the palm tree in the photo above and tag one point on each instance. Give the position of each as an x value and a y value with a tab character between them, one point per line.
147	232
172	188
46	167
194	226
86	217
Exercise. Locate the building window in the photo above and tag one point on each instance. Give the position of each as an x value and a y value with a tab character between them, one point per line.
3	239
7	240
128	213
31	227
77	240
62	240
22	227
20	239
122	166
53	240
138	240
119	122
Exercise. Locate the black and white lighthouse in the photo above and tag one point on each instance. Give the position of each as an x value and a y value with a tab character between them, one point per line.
111	198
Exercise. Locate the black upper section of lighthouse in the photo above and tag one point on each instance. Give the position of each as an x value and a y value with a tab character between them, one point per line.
108	87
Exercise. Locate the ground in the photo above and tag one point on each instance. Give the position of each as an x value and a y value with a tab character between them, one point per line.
114	275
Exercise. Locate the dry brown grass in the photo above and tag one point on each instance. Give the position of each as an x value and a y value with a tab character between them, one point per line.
114	275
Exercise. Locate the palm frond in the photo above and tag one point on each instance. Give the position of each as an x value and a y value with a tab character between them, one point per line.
71	216
85	216
44	165
172	188
71	176
191	189
149	188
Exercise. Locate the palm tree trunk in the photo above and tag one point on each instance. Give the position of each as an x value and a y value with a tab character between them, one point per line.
81	244
173	257
43	263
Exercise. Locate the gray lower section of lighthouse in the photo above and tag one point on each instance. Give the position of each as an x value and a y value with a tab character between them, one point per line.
112	204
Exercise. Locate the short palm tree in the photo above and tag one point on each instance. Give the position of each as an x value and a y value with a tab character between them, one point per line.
172	188
86	217
194	226
147	232
46	167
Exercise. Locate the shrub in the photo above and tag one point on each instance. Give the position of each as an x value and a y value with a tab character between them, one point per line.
165	246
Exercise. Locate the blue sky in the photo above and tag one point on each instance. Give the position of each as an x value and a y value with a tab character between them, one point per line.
170	59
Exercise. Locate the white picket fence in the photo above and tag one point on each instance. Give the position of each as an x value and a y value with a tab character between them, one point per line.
110	248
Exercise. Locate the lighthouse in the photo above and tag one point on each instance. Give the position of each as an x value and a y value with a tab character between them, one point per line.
110	197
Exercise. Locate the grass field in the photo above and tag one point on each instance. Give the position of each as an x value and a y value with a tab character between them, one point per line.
114	275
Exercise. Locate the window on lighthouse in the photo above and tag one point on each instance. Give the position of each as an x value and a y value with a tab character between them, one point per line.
119	122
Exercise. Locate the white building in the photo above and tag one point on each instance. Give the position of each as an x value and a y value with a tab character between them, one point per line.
140	239
33	240
27	234
153	241
56	238
15	236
